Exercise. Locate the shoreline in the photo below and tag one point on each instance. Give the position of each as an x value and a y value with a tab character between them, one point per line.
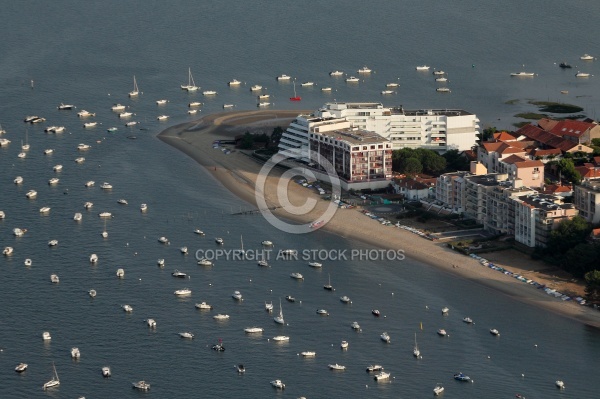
237	172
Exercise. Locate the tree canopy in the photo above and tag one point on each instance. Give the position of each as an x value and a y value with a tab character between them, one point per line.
413	161
567	170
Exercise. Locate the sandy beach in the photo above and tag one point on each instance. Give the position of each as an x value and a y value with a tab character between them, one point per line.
237	171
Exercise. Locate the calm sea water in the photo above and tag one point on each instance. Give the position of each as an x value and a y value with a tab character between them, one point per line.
87	54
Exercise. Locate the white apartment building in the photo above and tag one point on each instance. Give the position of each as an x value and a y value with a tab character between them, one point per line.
438	130
586	198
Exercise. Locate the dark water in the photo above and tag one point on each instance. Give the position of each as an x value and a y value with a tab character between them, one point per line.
87	54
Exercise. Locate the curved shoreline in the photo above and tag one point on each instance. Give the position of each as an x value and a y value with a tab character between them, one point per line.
237	172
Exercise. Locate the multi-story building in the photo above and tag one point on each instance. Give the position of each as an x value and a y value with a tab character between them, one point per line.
586	198
361	159
438	130
537	215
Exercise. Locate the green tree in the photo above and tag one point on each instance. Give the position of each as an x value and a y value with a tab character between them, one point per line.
596	142
276	135
412	166
581	259
567	235
432	162
592	287
247	141
567	169
487	133
455	160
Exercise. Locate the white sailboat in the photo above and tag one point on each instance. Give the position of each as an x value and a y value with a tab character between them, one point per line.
416	351
191	86
54	381
25	146
104	232
279	318
136	90
242	245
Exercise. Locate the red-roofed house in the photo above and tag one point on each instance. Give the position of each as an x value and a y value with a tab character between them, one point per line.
558	190
491	153
576	131
588	171
530	172
547	140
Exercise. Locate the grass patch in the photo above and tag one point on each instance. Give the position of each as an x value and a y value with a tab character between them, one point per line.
512	102
580	116
531	115
556	108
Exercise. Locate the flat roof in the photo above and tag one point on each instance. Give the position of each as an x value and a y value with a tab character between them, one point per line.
545	202
354	136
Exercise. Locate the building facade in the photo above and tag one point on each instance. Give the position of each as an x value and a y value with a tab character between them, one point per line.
586	198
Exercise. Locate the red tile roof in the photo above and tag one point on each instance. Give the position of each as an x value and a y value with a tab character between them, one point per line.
513	159
504	136
538	152
547	124
529	164
557	188
588	172
570	128
597	161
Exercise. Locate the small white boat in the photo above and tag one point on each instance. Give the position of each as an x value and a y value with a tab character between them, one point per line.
439	72
122	201
253	330
283	77
31	194
183	292
120	273
256	88
22	155
228	105
205	262
88	125
21	367
267	243
54	279
278	384
315	264
84	114
437	391
19	232
178	274
352	79
344	345
127	308
523	74
416	351
106	186
53	181
385	337
308	354
195	104
19	180
322	312
136	90
151	323
307	84
112	129
263	104
586	57
106	372
183	250
4	142
132	123
281	338
143	207
141	385
75	353
582	75
45	209
46	336
279	318
234	82
77	217
468	320
336	73
441	79
441	332
83	147
52	243
382	375
443	90
221	317
237	295
386	92
559	384
105	214
203	306
90	183
160	262
495	332
186	335
161	102
88	205
263	96
364	69
27	262
54	382
7	251
64	107
269	306
209	92
219	241
2	215
337	367
345	299
297	276
92	293
263	263
422	68
48	151
199	232
93	258
162	117
445	311
163	240
240	368
326	88
117	107
355	325
58	129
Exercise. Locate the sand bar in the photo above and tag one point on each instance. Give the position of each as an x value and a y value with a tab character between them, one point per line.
237	172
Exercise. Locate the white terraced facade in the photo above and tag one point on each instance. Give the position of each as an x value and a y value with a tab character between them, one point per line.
434	129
